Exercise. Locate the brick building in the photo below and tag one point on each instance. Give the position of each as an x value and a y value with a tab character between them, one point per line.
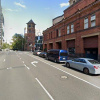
30	36
77	30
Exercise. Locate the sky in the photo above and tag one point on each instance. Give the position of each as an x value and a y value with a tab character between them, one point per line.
18	12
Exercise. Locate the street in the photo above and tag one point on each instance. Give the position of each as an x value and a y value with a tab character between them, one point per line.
24	76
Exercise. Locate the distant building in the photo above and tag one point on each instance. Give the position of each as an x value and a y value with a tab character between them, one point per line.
77	31
38	42
1	26
30	36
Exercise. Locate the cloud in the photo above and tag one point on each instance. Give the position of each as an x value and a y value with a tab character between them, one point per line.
11	10
64	4
19	4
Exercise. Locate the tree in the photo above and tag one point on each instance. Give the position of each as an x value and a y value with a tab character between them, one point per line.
5	45
18	42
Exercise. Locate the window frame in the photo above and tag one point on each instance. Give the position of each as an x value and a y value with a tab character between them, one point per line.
93	20
86	24
72	28
59	32
68	29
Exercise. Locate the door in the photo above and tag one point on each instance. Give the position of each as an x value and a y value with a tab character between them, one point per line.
82	64
75	63
91	53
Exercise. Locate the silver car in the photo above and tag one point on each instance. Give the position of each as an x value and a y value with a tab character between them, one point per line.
86	65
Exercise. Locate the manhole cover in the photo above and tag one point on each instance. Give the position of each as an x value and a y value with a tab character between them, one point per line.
64	77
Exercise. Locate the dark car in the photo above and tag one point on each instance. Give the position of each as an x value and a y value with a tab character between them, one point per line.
57	55
43	54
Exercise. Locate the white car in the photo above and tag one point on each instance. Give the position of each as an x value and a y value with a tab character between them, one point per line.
86	65
37	52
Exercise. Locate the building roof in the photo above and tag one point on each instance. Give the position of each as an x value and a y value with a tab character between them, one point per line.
31	22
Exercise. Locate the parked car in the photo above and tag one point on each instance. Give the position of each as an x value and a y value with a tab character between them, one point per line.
86	65
57	55
43	54
37	52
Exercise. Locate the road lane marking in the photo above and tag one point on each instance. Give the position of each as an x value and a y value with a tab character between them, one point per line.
44	89
27	67
9	68
67	73
4	60
33	63
23	62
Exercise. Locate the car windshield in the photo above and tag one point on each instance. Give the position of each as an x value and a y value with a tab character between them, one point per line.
38	51
94	61
63	54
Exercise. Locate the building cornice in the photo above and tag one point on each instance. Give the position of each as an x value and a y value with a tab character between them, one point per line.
59	41
70	39
90	35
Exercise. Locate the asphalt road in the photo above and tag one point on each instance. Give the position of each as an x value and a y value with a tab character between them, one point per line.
24	76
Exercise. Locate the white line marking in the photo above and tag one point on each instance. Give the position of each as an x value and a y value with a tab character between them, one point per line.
25	65
67	73
4	60
44	89
33	64
28	68
23	61
9	68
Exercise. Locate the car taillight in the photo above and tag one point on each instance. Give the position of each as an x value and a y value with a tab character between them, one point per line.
95	67
58	57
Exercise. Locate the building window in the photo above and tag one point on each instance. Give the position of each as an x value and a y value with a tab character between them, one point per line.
29	25
72	28
86	23
29	31
93	20
73	2
68	29
51	35
59	33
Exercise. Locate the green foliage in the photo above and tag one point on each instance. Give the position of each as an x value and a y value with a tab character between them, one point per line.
5	45
18	42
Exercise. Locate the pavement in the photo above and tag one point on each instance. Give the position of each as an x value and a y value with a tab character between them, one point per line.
24	76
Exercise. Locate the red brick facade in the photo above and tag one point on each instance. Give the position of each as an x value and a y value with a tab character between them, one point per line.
30	36
83	41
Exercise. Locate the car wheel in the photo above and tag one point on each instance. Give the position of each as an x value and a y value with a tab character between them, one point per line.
86	71
67	64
